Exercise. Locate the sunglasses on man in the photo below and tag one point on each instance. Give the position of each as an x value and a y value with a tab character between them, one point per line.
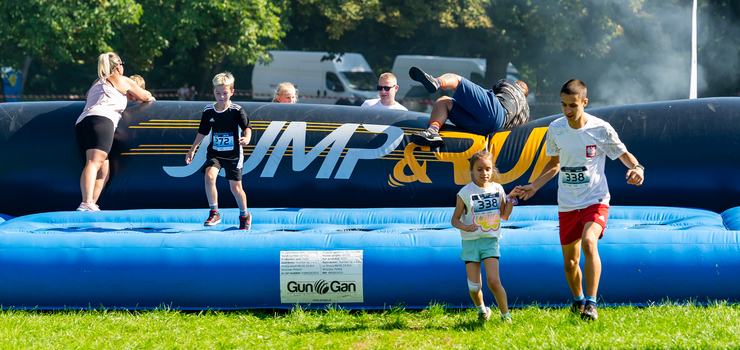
386	88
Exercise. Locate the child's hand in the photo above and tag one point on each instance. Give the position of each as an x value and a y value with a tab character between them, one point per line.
189	157
515	192
471	228
243	141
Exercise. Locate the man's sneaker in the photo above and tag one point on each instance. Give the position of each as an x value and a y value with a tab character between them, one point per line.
589	313
425	79
484	316
245	222
577	308
428	136
214	218
88	207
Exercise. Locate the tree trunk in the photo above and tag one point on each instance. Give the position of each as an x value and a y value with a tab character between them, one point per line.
495	68
24	71
2	91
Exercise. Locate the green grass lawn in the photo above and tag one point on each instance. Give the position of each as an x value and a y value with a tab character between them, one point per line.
661	326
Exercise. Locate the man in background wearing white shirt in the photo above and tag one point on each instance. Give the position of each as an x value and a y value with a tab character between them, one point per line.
387	88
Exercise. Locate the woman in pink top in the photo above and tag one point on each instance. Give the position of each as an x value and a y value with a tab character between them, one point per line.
106	100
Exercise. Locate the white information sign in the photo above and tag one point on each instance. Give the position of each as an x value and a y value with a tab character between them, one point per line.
324	276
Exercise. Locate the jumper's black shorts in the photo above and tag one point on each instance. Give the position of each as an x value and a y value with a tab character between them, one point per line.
232	172
95	132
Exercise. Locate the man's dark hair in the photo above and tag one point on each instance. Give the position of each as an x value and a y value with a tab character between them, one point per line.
574	87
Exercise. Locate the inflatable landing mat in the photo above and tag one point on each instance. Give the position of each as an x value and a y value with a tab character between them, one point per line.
353	258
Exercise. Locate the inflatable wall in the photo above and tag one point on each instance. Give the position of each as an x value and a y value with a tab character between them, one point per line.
315	156
349	211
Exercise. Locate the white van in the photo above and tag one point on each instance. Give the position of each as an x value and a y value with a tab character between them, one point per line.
320	77
416	98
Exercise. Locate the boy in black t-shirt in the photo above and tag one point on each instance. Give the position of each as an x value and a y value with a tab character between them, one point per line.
229	129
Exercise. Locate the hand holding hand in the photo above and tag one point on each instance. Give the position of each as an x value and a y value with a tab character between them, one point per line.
525	192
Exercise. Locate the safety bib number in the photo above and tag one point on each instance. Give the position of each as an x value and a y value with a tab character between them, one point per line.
484	202
223	141
575	177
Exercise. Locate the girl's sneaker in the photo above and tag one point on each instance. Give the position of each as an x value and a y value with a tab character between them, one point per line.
88	207
484	316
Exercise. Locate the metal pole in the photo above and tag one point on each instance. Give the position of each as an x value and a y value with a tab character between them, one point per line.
692	88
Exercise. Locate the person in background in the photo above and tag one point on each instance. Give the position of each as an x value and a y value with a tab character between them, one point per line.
105	101
139	80
183	93
387	88
285	93
193	93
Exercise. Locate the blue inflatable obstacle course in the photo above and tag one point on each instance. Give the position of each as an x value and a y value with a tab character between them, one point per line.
372	228
353	258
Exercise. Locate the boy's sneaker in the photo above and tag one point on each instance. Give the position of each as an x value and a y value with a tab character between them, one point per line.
428	136
506	319
88	207
214	218
589	313
484	316
245	222
425	79
577	308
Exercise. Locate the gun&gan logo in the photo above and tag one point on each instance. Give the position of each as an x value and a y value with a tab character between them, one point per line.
321	287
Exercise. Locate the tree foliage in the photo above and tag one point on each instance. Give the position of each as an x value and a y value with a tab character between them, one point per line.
197	37
61	31
610	44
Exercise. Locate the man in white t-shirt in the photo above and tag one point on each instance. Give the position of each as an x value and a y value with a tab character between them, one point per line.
387	88
579	144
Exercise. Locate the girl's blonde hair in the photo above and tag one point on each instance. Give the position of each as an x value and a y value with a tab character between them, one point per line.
107	64
224	78
281	89
139	80
495	176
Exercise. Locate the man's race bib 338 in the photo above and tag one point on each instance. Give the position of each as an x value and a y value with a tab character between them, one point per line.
575	177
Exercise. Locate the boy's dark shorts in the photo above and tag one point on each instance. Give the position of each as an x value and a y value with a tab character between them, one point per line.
230	167
94	132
